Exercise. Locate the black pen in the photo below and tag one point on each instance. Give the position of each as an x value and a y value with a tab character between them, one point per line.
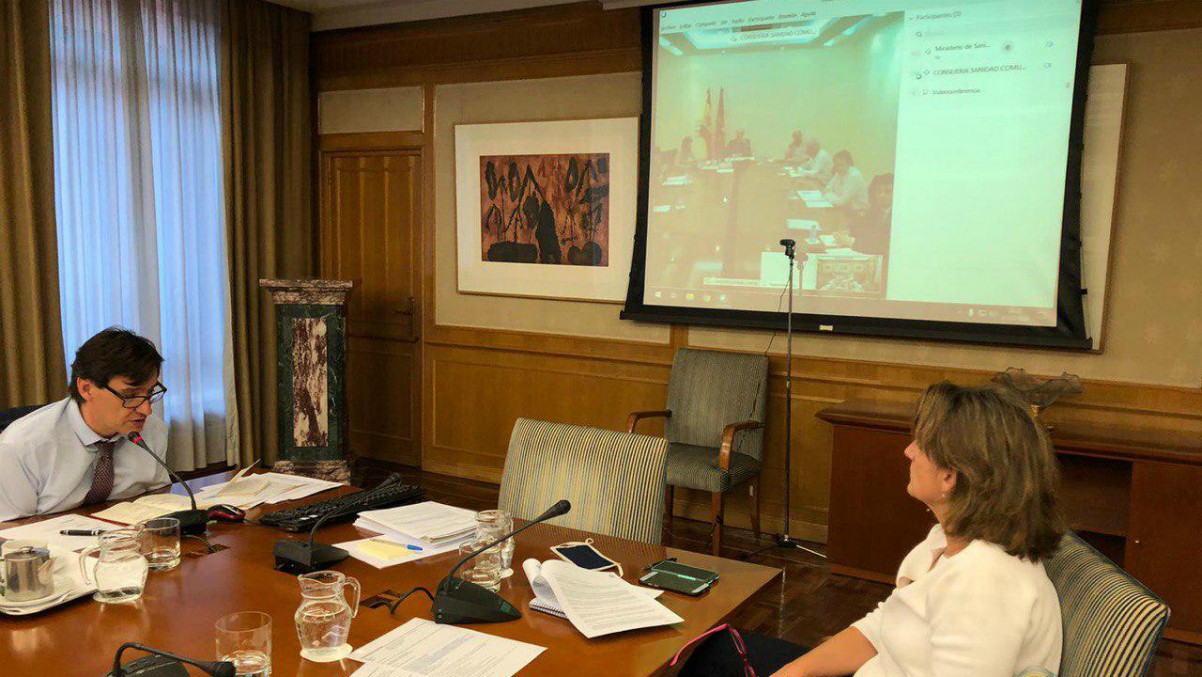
81	532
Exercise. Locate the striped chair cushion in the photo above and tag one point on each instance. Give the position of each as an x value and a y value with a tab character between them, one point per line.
614	480
697	468
1112	623
709	390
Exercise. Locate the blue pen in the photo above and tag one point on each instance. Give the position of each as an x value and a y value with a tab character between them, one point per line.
409	546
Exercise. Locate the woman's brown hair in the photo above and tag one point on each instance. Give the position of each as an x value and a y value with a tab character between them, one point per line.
1007	475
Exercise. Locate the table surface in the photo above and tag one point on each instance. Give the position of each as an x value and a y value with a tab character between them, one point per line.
179	607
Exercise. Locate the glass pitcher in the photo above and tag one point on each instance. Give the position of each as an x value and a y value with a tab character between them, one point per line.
121	571
323	620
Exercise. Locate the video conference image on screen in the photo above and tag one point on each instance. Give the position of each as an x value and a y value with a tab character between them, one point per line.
916	154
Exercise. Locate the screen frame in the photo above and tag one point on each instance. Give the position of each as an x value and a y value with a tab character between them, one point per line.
1071	331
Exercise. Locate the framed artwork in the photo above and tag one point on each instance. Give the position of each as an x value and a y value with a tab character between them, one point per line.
546	209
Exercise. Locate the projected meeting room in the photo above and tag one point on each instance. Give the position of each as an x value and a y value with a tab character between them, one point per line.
887	145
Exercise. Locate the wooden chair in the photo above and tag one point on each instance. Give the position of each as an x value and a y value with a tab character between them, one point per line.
1112	623
714	428
614	480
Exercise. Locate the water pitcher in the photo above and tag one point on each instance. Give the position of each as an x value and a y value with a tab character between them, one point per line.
121	571
323	620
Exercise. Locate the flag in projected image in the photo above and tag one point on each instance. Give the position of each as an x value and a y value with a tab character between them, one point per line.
720	128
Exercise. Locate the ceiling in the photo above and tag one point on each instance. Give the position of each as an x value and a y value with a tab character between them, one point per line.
333	14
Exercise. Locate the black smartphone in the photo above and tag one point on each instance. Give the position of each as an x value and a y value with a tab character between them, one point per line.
673	583
685	571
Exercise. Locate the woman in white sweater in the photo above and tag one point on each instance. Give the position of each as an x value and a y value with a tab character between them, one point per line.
972	600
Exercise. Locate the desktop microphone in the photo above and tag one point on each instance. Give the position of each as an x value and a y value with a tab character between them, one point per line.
165	664
191	522
301	557
459	601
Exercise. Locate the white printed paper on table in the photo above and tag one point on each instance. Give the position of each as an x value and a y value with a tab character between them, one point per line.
600	603
48	531
544	597
422	648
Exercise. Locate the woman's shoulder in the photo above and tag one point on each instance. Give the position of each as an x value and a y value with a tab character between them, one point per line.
985	563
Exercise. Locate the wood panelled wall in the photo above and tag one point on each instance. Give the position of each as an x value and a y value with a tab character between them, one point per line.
476	381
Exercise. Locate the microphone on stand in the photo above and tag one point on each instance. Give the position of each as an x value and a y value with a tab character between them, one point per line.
191	522
459	601
301	557
165	664
788	244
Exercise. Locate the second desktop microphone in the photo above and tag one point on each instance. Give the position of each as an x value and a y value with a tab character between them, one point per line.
460	601
192	522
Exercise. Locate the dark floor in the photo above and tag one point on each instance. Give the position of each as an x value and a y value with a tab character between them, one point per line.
807	604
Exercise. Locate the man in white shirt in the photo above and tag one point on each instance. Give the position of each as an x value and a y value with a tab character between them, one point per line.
74	452
847	187
820	166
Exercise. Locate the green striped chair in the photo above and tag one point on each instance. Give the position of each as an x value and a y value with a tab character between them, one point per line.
715	422
614	480
1112	623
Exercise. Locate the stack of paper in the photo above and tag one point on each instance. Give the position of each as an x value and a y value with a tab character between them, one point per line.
270	488
544	597
410	532
596	602
422	648
428	521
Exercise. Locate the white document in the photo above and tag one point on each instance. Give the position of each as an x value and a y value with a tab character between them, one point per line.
145	508
388	550
48	531
269	488
422	648
600	603
428	521
819	204
544	597
809	195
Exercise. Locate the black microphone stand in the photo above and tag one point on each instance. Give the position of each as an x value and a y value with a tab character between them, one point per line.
192	522
460	601
165	664
301	557
784	539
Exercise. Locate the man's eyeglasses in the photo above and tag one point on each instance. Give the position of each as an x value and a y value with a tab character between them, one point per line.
748	671
135	401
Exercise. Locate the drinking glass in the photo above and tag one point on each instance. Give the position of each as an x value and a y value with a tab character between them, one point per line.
486	567
244	639
160	543
493	524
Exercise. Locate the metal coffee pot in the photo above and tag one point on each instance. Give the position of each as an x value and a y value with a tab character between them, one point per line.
27	573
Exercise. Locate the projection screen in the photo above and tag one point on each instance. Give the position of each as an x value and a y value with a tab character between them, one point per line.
923	154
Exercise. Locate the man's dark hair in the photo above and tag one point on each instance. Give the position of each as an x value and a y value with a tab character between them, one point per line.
111	353
846	155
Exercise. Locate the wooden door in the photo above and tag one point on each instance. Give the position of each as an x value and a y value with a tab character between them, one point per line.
370	232
1163	540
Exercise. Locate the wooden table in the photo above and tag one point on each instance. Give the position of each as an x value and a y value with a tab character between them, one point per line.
179	607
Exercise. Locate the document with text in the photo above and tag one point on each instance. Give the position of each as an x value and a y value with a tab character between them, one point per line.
422	648
599	603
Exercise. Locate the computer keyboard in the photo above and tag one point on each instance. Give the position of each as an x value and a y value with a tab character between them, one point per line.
391	492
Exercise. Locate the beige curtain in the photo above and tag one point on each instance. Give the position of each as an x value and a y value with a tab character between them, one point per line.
268	139
31	339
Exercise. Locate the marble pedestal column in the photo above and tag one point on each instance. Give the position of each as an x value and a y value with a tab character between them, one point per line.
311	373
